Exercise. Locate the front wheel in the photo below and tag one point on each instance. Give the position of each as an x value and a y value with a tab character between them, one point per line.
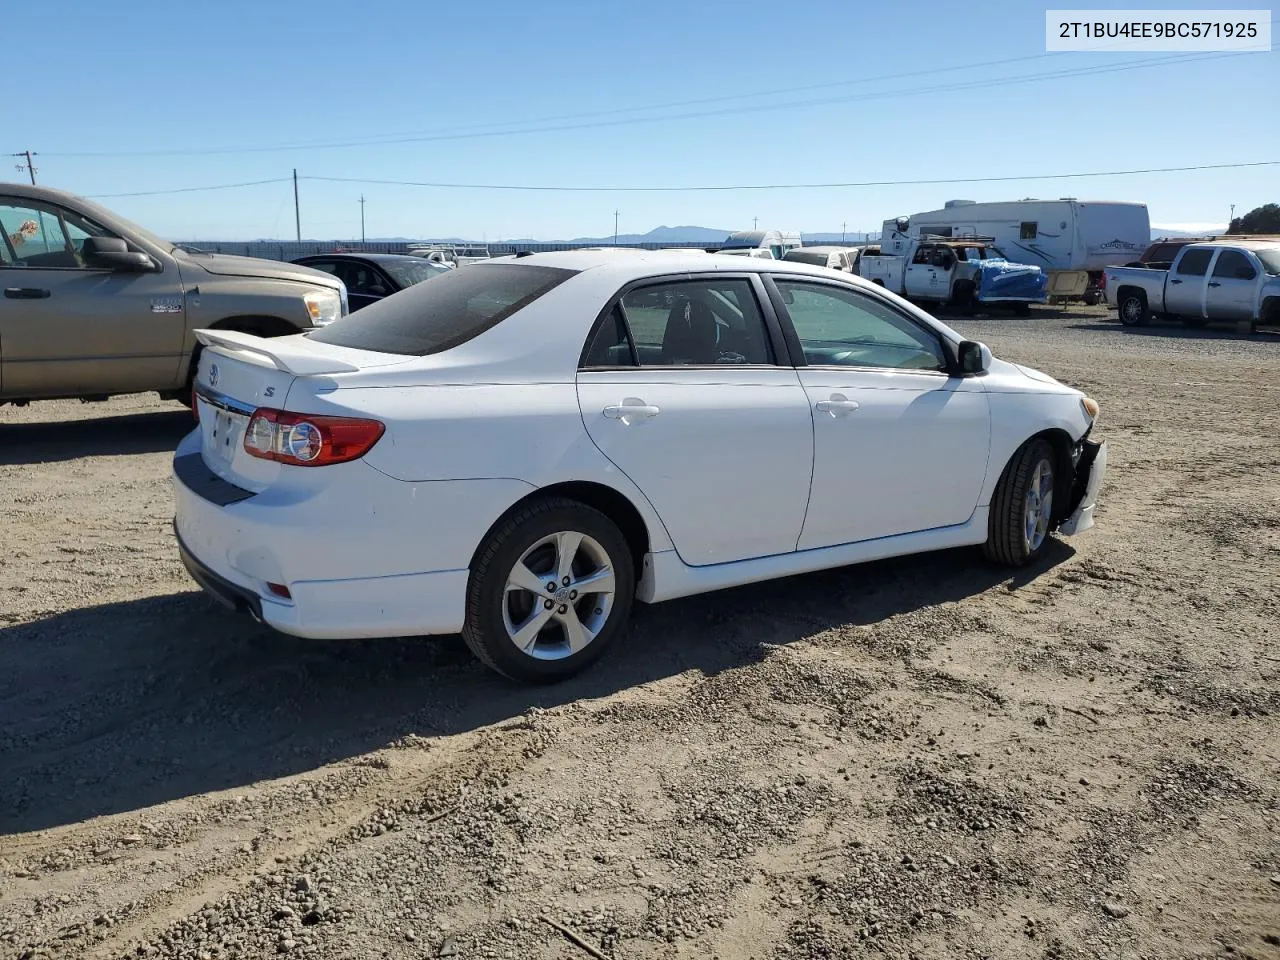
549	591
1022	507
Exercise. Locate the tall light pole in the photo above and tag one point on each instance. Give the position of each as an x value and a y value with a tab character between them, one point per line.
1233	214
615	228
362	218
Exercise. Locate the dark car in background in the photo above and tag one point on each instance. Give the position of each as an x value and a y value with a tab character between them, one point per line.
369	277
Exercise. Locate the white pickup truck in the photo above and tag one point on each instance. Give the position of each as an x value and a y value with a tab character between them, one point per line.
1236	282
966	271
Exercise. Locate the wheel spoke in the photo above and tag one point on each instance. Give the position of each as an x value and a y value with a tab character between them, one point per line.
526	634
598	581
575	631
567	544
522	578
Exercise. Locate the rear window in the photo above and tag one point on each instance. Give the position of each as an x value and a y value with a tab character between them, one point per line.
450	310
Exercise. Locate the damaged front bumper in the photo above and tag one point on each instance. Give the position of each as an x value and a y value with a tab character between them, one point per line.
1091	467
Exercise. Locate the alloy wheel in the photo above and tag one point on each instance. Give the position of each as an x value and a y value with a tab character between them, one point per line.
558	595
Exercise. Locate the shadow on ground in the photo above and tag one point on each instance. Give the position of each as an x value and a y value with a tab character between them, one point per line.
49	441
1180	331
121	706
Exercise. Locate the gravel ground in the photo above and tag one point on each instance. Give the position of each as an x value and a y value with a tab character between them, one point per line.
921	758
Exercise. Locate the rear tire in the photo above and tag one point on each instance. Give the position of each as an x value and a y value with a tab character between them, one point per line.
1022	508
1133	309
523	620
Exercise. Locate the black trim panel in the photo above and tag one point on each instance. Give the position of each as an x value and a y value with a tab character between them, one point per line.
205	484
224	591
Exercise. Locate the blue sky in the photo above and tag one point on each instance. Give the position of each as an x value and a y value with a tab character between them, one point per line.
177	84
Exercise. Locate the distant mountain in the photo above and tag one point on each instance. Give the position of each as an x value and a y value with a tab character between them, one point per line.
662	234
1157	233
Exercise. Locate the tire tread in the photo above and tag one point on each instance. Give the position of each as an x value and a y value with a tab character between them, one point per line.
1005	543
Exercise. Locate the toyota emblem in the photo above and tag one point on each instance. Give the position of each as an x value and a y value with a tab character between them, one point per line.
213	374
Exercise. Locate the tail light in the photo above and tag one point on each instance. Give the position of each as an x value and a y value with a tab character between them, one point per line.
306	440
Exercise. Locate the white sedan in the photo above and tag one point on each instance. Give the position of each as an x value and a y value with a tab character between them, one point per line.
519	450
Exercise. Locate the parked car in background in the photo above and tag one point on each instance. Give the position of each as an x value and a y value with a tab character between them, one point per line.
1237	282
371	276
966	272
519	449
775	242
95	305
844	259
456	255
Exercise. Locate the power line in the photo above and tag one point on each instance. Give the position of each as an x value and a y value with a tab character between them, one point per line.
468	134
704	188
697	188
157	193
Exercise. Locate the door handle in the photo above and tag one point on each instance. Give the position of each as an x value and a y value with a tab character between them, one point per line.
1175	281
26	293
631	409
838	406
1214	283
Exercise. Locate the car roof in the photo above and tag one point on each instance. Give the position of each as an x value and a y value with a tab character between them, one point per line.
356	255
822	248
629	263
1242	244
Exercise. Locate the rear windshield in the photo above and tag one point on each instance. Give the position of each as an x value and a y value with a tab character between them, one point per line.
450	310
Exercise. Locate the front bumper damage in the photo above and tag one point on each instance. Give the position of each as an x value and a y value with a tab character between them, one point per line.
1091	468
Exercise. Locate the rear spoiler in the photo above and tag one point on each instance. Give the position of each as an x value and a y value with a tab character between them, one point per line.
290	354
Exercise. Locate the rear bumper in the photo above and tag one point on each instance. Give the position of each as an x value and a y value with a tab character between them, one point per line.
363	555
1090	472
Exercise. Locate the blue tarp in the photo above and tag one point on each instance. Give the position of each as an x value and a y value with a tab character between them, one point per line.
1002	280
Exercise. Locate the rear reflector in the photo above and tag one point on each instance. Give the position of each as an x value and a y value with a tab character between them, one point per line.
305	440
280	590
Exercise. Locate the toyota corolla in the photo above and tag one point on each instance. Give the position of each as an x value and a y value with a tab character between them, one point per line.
519	450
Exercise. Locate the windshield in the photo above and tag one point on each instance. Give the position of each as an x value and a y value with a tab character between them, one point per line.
995	253
410	271
102	213
455	307
1270	260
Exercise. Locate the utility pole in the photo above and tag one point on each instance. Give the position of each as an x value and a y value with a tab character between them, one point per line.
28	166
844	229
754	222
1233	215
297	213
362	218
615	228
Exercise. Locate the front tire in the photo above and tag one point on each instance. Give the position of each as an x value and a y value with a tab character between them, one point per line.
1022	507
549	591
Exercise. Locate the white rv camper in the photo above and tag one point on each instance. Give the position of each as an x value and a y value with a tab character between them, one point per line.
1072	240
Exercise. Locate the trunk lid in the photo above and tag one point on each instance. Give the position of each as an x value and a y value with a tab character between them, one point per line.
238	373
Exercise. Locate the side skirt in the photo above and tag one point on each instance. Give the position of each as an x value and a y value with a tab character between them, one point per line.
666	576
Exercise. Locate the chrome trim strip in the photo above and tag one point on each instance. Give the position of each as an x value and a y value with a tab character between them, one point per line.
223	402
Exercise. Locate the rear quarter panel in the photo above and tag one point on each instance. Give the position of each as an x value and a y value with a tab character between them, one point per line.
531	433
1150	282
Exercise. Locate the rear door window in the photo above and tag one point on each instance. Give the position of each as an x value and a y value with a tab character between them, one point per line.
1234	265
1195	262
450	310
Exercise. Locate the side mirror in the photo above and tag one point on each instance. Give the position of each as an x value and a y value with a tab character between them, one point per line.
112	253
973	357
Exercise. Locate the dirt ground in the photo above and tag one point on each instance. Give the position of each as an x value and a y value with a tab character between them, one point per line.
922	758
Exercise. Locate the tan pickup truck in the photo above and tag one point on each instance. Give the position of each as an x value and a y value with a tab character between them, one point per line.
95	305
